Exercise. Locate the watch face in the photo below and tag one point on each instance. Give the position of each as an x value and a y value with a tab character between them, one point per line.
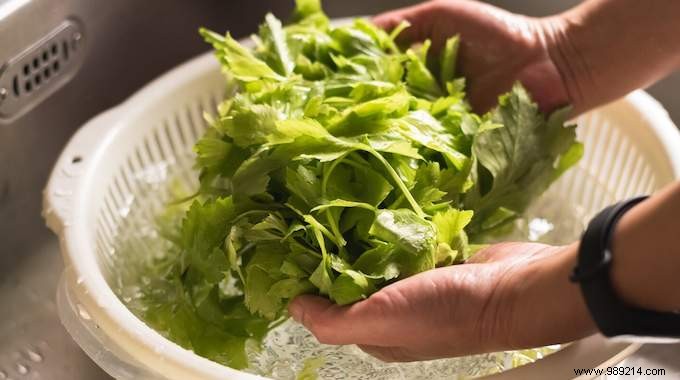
644	339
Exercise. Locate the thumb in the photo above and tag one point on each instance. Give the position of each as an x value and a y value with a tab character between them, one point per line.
360	323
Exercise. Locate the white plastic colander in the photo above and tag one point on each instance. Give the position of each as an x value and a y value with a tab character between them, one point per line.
631	147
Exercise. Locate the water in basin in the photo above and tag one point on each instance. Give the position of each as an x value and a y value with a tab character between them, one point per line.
141	241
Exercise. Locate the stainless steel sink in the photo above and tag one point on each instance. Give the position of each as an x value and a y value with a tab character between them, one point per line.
122	44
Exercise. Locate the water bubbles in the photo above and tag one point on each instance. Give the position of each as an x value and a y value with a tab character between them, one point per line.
124	211
129	199
148	232
79	280
538	227
547	221
34	355
287	347
22	369
283	370
153	174
83	313
138	243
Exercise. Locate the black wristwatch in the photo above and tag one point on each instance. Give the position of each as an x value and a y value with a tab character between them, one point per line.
613	317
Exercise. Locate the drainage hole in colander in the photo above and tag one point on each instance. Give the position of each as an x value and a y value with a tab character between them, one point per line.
76	160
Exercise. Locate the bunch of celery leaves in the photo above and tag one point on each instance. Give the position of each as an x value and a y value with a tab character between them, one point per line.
338	164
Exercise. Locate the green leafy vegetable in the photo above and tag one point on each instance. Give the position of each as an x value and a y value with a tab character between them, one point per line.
310	369
516	163
336	165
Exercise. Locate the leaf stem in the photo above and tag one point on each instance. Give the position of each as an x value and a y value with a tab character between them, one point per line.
397	202
328	169
395	177
314	223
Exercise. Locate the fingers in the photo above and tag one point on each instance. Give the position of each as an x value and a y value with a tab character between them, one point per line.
360	323
419	16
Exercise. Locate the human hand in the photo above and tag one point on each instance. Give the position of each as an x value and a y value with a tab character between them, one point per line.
509	296
497	48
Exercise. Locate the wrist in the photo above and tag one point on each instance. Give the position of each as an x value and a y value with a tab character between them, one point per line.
645	258
604	49
562	315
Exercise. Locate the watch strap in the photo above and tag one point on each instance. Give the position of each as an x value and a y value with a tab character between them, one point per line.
611	315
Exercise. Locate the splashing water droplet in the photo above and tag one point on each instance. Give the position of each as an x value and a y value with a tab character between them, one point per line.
22	369
538	227
34	355
124	211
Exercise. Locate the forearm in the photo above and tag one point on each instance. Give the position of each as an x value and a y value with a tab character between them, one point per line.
548	308
646	253
604	49
645	272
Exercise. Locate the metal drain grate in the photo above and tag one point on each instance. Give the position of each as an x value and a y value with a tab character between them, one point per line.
38	71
